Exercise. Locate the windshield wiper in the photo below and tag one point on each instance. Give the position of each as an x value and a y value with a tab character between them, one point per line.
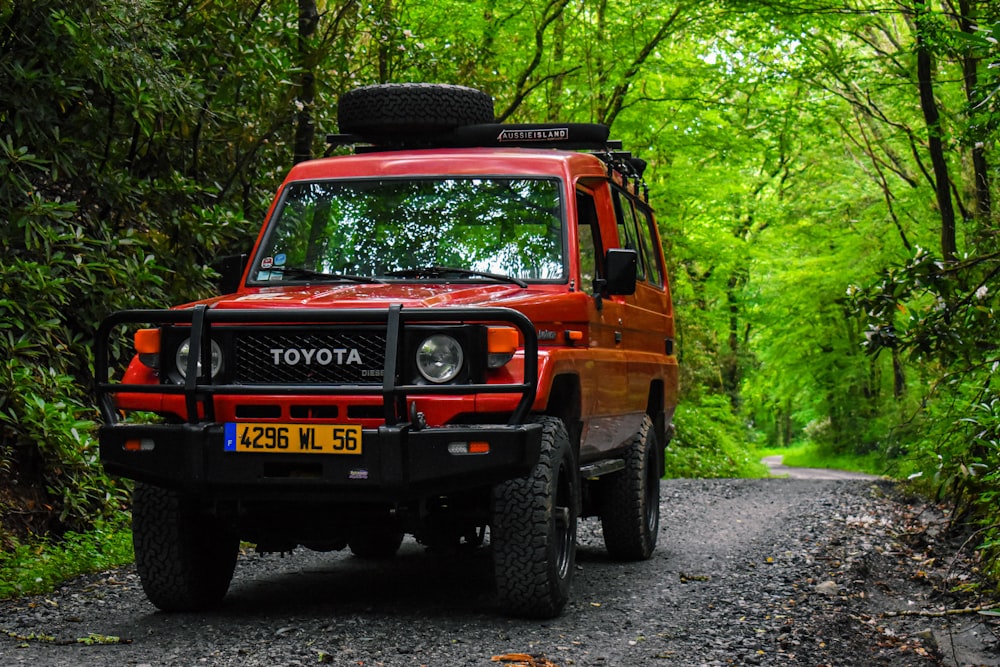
439	271
294	272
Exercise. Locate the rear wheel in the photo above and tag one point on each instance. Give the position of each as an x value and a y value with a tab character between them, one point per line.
533	534
630	499
185	558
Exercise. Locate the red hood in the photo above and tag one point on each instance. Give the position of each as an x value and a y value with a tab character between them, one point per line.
381	296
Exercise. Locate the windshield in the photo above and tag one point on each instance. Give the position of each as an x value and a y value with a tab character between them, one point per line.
406	229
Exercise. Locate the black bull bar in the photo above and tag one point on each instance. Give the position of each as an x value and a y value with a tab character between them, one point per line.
199	391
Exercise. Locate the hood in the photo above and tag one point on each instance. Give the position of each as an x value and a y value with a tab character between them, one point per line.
409	295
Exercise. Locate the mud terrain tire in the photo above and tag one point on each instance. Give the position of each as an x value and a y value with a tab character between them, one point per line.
185	559
405	111
630	499
533	534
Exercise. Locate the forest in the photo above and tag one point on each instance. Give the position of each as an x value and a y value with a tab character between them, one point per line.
825	175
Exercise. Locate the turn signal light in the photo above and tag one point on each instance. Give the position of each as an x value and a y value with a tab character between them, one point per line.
139	445
501	343
147	344
147	341
472	447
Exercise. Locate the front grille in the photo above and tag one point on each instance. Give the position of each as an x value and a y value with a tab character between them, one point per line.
321	357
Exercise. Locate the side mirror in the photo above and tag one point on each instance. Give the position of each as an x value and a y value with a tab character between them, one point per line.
230	269
621	268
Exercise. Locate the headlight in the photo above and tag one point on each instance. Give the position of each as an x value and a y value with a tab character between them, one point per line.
439	358
181	358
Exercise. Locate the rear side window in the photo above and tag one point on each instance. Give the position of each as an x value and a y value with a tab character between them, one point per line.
628	231
654	269
635	229
589	233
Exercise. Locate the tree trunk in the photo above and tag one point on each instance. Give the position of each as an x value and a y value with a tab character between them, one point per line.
305	129
383	31
980	169
732	372
932	117
556	88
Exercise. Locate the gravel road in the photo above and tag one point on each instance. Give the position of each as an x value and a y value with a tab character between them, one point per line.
748	572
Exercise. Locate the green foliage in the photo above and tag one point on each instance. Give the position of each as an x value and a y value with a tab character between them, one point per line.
943	316
711	442
788	161
100	214
50	424
38	566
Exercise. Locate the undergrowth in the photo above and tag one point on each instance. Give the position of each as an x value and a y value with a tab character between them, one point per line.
711	442
41	564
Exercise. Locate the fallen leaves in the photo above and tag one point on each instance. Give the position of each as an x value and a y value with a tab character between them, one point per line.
985	610
90	640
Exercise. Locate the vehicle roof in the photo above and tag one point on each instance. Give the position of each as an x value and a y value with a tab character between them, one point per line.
452	161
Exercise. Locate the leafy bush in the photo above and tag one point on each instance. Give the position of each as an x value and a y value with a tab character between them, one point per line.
48	422
711	442
94	223
948	327
36	568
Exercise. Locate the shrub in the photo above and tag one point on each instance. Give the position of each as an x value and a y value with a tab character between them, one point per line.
711	442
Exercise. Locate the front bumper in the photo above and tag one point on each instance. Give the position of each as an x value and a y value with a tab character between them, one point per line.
398	463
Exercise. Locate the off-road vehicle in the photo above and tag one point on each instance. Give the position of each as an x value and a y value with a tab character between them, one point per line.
461	331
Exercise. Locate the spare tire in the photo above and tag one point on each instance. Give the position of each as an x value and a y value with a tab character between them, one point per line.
411	111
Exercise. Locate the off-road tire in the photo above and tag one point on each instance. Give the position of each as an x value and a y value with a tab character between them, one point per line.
184	557
405	111
630	499
533	533
375	543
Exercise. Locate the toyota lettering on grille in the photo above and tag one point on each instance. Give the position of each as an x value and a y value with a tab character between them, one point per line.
286	356
324	356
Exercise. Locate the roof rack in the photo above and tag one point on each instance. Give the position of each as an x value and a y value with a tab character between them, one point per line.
566	136
590	137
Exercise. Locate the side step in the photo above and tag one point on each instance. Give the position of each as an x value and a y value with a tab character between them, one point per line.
598	468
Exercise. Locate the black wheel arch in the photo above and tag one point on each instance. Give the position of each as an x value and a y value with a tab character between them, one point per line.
565	403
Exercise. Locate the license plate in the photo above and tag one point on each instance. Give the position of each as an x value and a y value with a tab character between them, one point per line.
293	438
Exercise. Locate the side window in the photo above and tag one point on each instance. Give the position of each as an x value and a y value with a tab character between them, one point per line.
627	230
654	269
589	233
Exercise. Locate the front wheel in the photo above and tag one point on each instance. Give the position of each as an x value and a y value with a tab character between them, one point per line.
185	558
533	534
630	499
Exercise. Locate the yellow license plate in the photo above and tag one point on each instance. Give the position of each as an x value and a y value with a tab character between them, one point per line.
293	438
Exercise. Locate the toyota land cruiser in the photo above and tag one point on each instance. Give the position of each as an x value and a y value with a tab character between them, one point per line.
461	331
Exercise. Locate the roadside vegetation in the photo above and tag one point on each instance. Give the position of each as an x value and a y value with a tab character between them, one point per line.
826	174
43	563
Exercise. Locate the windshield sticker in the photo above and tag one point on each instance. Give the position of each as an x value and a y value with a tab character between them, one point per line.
279	259
267	263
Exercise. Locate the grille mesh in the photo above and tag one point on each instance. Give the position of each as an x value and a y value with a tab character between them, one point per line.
324	357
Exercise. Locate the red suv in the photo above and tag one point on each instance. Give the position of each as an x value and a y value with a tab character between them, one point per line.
461	331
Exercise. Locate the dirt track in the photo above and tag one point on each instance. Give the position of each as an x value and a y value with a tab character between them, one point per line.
748	572
778	469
